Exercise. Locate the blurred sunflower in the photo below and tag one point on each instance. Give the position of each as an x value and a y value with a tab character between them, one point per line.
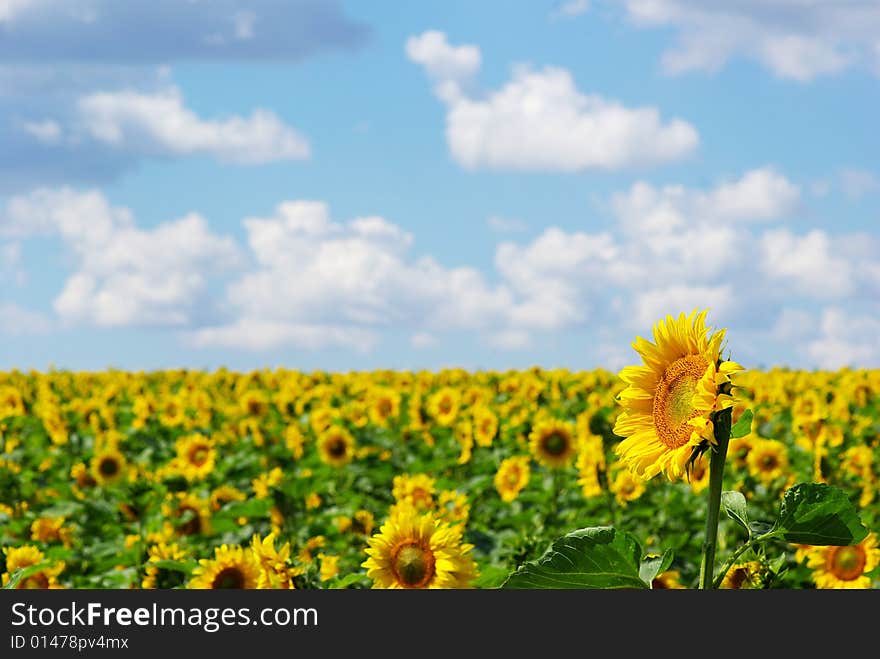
512	476
195	456
108	466
669	401
415	550
767	460
30	556
161	577
336	446
552	443
844	567
417	490
748	575
443	405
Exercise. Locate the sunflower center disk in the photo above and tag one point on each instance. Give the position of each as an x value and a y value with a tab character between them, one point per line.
414	565
673	400
555	444
230	577
848	563
108	467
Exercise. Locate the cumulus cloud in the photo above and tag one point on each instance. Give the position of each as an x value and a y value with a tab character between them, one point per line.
124	275
793	39
808	263
847	340
570	9
310	271
159	124
539	120
18	321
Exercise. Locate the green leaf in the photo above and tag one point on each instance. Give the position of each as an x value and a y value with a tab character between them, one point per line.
819	514
734	504
62	509
595	557
491	576
22	573
251	508
743	426
177	566
653	565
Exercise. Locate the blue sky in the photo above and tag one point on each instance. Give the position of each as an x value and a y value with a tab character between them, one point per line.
361	185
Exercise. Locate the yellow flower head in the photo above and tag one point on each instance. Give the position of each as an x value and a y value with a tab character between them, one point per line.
231	567
552	443
336	446
512	476
844	567
668	402
415	550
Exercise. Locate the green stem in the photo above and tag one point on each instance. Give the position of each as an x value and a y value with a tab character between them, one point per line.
716	481
754	542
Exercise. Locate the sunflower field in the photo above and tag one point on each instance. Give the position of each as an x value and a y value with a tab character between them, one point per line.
444	479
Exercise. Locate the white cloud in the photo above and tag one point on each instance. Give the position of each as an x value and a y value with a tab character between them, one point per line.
16	321
124	275
857	183
509	340
847	340
555	275
160	124
654	305
441	60
540	121
9	9
808	263
422	340
310	271
794	39
257	335
758	195
47	132
570	9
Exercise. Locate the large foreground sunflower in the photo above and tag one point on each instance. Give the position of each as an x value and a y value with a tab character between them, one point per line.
416	550
669	401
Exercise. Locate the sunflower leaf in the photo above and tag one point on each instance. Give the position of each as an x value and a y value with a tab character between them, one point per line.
653	565
819	514
734	504
595	557
22	573
743	426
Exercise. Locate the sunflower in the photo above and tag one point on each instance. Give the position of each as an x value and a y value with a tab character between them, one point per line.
108	466
159	577
590	463
485	425
415	550
29	556
767	460
669	580
51	529
698	475
188	514
552	443
384	405
844	567
626	487
744	576
417	490
668	403
336	446
512	476
443	405
274	564
231	567
195	456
